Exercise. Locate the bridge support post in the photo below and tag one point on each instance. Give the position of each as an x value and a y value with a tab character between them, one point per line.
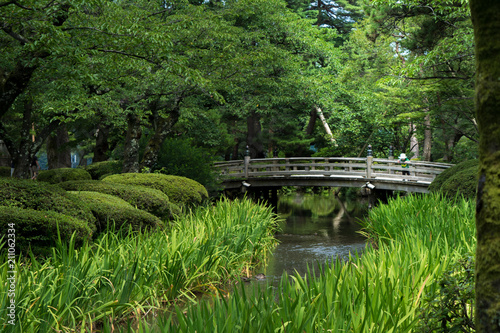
247	161
274	199
369	162
391	157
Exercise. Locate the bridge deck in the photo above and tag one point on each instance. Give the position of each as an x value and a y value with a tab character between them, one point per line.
329	171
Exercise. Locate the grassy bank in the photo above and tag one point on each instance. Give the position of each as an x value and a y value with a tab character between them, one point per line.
415	241
117	279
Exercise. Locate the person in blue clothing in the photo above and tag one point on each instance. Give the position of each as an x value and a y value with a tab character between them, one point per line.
405	164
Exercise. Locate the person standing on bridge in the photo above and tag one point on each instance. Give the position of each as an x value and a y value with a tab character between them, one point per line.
405	164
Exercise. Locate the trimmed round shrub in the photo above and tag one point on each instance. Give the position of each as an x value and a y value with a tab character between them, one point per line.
38	229
144	198
180	190
4	171
110	209
55	176
99	169
443	176
463	182
41	196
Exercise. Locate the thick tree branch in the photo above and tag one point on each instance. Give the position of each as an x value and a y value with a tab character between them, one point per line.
44	133
7	29
15	3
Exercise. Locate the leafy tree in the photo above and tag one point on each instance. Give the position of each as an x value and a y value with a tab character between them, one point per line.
420	55
340	15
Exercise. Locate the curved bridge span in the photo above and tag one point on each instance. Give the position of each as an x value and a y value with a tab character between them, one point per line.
374	173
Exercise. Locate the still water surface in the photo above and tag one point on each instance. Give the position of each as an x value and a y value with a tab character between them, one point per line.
315	229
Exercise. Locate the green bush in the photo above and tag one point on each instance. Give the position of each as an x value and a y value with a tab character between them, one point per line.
99	169
178	157
105	175
180	190
148	199
4	171
38	229
463	182
452	310
55	176
42	196
443	176
110	209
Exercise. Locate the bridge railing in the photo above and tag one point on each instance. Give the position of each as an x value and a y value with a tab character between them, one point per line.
370	168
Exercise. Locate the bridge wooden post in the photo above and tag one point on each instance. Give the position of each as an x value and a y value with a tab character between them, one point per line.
247	161
390	165
391	157
369	161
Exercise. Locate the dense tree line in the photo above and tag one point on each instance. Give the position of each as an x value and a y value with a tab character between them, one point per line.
119	77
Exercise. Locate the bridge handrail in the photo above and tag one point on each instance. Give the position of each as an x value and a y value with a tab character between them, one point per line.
367	167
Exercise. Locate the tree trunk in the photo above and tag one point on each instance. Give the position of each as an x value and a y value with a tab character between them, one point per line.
163	126
83	160
312	122
325	124
101	143
58	152
131	150
13	84
427	137
236	147
22	160
254	130
414	141
451	141
486	21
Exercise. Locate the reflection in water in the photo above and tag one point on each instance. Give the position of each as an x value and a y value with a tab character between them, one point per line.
316	229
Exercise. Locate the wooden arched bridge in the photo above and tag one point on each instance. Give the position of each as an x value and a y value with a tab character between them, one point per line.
374	173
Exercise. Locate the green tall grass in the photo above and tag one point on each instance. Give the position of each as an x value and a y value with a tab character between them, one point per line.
415	240
117	279
430	218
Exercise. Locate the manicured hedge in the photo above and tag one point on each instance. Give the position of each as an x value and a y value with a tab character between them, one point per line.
110	209
443	176
38	229
4	171
43	196
180	190
463	182
55	176
99	169
144	198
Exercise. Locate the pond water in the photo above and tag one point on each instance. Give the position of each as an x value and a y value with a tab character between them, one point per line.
315	229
